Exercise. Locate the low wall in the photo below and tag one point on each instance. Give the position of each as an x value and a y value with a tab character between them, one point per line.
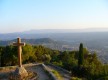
64	70
49	72
7	68
14	67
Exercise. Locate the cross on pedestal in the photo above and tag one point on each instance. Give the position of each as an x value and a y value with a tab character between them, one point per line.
19	44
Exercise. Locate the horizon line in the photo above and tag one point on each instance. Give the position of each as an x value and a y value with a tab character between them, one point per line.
77	30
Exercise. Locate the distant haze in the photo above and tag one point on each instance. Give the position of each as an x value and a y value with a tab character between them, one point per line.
38	31
64	30
60	34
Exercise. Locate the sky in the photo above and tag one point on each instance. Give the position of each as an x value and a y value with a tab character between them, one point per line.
22	15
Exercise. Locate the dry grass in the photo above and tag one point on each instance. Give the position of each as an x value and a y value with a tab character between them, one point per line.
59	77
7	69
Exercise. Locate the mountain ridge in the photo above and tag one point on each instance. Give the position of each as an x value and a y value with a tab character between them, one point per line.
38	31
47	42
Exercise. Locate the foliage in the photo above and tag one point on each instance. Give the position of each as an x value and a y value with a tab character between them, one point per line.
59	77
28	54
81	55
8	54
75	78
42	53
90	66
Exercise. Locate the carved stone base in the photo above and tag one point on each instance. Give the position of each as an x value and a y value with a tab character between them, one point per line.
19	74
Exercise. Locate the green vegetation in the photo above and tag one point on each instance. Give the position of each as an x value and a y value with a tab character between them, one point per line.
8	54
90	66
75	78
58	76
81	55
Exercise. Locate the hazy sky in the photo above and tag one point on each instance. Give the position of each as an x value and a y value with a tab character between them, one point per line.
22	15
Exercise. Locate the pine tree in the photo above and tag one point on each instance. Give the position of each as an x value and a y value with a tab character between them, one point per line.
81	55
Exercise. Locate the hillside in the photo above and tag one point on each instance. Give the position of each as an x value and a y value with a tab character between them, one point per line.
47	42
94	41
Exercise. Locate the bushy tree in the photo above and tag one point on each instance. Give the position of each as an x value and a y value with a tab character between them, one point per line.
46	58
9	56
28	54
41	51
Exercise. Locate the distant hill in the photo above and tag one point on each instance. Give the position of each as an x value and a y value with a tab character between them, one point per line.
58	34
63	40
47	42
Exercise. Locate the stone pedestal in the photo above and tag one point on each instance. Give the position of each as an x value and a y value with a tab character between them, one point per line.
19	74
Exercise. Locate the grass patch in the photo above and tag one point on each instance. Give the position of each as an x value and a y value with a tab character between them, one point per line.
7	68
59	77
76	78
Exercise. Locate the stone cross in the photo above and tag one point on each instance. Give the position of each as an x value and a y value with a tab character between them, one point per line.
19	44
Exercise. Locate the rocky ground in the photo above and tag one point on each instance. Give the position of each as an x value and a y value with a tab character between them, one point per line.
29	67
37	68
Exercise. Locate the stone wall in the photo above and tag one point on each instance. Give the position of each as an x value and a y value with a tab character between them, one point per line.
62	69
49	72
8	68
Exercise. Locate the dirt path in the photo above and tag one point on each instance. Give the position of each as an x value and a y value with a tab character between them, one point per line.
64	75
40	71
